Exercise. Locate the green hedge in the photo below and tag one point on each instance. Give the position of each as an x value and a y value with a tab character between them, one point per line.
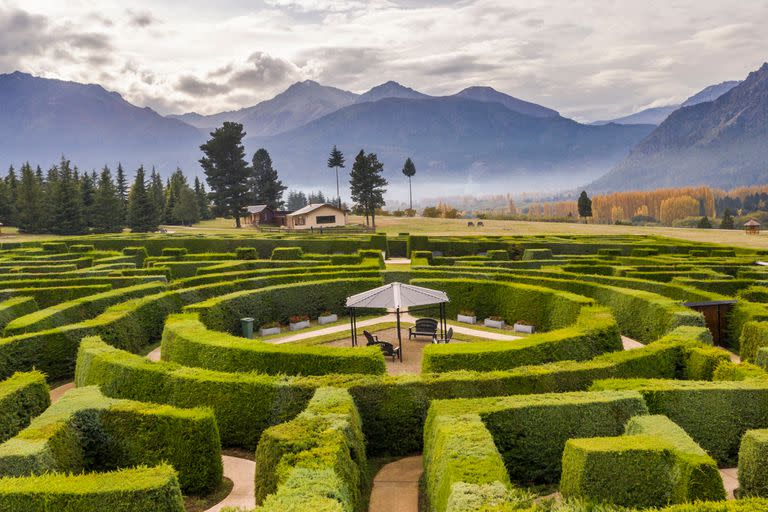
188	342
654	464
79	248
129	490
287	253
246	253
715	414
174	252
22	397
78	310
46	297
594	333
537	254
754	336
316	461
15	308
279	303
87	431
54	246
753	478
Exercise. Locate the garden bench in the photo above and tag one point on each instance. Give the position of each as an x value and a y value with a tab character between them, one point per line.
423	327
387	348
447	339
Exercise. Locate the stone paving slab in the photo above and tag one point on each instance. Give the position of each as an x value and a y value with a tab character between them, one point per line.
396	486
242	473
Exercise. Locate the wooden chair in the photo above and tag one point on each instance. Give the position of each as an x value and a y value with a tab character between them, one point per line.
387	348
447	339
424	327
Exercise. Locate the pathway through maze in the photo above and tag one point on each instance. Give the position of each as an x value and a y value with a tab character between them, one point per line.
127	383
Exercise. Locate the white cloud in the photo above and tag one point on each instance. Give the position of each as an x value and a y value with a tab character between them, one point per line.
587	58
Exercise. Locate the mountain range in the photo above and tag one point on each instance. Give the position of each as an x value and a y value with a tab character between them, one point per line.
478	136
722	143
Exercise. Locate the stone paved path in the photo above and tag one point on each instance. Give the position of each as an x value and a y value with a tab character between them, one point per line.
242	473
630	344
154	355
396	486
57	393
730	480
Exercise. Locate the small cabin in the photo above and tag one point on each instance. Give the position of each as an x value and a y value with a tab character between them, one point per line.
263	215
752	227
317	216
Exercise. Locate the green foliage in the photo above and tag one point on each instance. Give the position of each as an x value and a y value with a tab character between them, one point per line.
22	397
266	188
367	184
656	463
54	246
175	252
49	296
14	308
142	212
246	253
287	253
753	479
498	255
314	460
537	254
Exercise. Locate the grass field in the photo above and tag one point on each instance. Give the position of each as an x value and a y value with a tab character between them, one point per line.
436	227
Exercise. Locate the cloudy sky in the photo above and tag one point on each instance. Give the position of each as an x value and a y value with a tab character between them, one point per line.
589	59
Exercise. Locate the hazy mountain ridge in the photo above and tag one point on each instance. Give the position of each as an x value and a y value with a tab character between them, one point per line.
718	143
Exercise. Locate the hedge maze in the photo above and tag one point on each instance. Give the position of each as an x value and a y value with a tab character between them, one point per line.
629	394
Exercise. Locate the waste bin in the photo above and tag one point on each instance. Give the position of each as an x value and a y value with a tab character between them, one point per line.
247	325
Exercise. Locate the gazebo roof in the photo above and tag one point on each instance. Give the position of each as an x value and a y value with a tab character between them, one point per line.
397	296
752	223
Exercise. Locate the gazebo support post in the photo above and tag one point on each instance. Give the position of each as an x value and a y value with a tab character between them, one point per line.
399	336
353	326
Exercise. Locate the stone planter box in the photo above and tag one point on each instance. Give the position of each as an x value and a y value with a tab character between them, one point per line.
299	325
466	319
496	324
268	331
328	319
524	328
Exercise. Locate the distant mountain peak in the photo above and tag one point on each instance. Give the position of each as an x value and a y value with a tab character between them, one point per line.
390	89
488	94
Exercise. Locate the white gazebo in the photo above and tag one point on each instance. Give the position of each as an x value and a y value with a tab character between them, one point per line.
400	298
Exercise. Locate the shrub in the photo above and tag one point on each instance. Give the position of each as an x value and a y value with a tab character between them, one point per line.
754	336
537	254
188	342
316	461
656	463
22	397
246	253
753	479
287	253
128	490
715	414
594	333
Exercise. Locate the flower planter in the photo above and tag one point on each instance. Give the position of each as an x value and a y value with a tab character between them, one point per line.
524	328
327	319
298	325
466	319
496	324
268	331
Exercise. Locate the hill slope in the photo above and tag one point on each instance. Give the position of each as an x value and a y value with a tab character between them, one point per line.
722	143
490	95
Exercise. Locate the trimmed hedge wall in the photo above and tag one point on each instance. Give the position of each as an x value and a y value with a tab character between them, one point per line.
46	297
715	414
316	461
15	308
22	397
188	342
287	253
595	332
129	490
655	464
87	431
753	478
537	254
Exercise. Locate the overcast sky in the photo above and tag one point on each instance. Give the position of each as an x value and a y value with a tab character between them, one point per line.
589	59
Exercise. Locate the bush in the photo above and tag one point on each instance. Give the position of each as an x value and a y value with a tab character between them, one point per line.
715	414
594	333
537	254
22	397
316	461
656	463
753	479
246	253
754	336
287	253
128	490
188	342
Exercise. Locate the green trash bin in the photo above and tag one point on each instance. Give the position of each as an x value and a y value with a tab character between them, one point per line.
247	325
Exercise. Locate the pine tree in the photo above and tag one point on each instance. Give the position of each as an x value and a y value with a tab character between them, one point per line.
316	198
584	205
368	185
336	161
203	206
296	200
727	222
704	223
107	216
121	184
409	170
156	193
87	192
176	183
185	208
226	170
29	201
142	216
265	186
66	216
